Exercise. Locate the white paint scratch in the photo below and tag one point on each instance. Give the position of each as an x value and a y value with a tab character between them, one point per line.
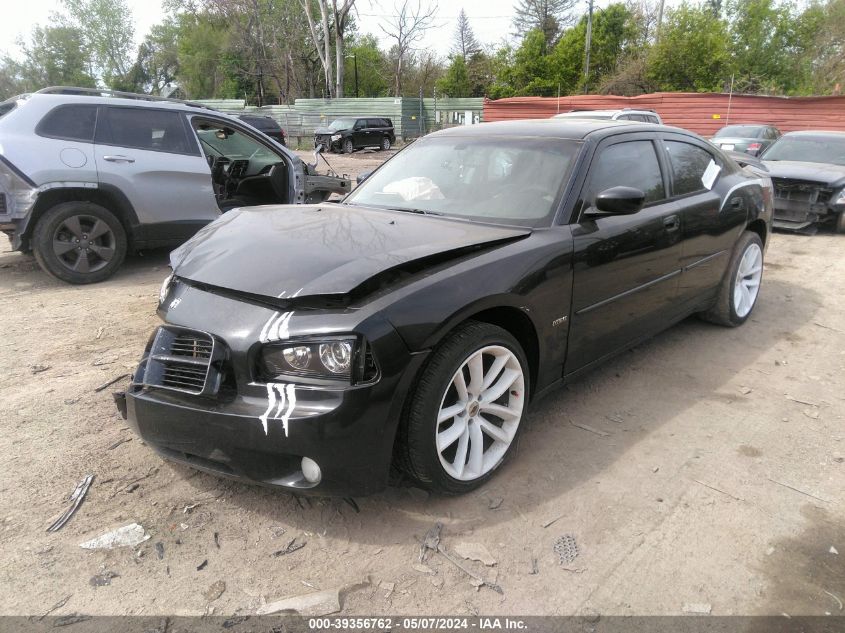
279	396
271	402
291	392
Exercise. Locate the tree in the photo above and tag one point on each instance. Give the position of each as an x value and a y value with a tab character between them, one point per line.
108	34
546	15
693	52
406	28
465	43
373	67
56	56
455	83
334	18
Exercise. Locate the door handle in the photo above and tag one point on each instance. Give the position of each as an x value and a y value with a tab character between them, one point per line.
119	159
672	222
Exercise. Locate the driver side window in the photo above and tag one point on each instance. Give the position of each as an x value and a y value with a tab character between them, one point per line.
627	164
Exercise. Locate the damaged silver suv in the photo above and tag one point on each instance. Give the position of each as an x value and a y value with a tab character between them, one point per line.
87	175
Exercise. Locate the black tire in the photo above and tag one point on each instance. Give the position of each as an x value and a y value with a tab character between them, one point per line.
723	311
348	147
385	144
840	223
417	453
96	258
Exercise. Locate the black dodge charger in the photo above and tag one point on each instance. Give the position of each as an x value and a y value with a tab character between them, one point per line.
311	347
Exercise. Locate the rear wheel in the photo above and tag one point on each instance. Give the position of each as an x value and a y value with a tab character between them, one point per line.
385	143
840	222
79	242
741	284
348	147
464	415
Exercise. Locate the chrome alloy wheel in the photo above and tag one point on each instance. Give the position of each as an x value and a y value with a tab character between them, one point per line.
480	413
747	282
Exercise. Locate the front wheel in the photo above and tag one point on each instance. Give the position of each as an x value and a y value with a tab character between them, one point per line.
79	242
840	223
348	147
464	415
741	284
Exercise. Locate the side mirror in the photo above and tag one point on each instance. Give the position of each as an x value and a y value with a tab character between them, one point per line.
363	176
620	200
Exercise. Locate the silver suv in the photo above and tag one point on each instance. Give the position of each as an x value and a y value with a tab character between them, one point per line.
625	114
86	175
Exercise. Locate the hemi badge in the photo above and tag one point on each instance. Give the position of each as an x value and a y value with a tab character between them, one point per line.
559	321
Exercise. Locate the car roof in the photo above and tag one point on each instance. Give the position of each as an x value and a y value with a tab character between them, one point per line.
61	98
573	128
833	133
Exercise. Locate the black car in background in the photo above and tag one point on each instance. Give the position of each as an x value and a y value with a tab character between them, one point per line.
808	173
346	134
751	138
309	347
267	125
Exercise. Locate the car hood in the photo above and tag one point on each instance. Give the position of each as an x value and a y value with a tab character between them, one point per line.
831	175
327	130
285	253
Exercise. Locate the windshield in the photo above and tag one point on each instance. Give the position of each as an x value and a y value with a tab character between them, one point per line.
7	107
810	149
740	131
342	124
234	145
506	180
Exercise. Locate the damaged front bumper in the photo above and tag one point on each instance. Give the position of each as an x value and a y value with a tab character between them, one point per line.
800	204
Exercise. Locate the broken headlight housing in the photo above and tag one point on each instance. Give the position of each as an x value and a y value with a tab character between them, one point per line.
840	199
335	137
19	194
343	359
165	288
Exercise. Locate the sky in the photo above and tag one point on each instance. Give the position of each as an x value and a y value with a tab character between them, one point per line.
490	19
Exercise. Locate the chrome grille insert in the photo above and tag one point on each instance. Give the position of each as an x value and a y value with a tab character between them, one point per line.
184	360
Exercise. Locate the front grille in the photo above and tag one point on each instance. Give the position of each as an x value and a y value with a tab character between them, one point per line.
325	139
184	360
801	190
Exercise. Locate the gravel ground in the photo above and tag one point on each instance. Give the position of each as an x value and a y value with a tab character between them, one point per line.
717	479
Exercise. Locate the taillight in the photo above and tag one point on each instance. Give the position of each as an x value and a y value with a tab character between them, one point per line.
754	147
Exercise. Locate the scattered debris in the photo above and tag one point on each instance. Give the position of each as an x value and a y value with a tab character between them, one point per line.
566	549
71	400
132	487
202	565
37	369
799	401
554	520
126	536
770	551
77	496
217	539
827	327
277	531
717	490
811	413
99	332
312	604
214	591
118	443
431	541
160	550
388	587
655	469
698	608
292	546
424	569
835	597
781	362
478	581
535	567
437	581
495	503
101	580
812	496
475	551
71	618
108	384
615	418
352	503
745	390
833	550
55	607
189	508
586	427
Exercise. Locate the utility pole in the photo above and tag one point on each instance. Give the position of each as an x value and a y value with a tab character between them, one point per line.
659	20
355	63
587	47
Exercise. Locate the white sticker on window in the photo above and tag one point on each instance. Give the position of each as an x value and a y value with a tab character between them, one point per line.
708	178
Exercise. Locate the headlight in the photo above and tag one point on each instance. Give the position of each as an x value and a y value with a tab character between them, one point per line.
341	359
840	199
165	288
335	137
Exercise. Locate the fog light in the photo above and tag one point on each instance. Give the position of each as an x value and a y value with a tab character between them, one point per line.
311	470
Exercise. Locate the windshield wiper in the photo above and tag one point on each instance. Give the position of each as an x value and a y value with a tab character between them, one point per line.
413	210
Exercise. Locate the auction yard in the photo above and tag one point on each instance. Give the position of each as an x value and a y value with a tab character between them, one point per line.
706	475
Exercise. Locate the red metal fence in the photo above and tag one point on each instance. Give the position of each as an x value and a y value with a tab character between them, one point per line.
693	111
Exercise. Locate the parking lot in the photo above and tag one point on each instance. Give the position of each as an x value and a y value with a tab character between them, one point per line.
705	475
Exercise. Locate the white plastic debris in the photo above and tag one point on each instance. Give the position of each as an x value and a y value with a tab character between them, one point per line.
698	608
475	551
311	604
126	536
833	550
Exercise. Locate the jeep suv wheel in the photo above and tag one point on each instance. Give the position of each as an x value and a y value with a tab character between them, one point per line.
348	146
385	143
79	242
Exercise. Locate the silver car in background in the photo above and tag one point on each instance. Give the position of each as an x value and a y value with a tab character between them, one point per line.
87	175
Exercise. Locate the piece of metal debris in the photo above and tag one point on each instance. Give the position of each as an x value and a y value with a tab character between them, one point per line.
554	520
698	608
312	604
37	369
423	569
566	549
55	607
126	536
535	567
495	503
118	443
160	550
292	546
475	551
101	580
214	591
217	539
478	581
586	427
77	496
132	487
202	565
431	541
108	384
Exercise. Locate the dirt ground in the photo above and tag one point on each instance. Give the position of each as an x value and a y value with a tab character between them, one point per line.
715	479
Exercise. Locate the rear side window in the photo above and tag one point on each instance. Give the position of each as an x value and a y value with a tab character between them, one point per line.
628	164
652	119
689	163
142	128
375	123
72	122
